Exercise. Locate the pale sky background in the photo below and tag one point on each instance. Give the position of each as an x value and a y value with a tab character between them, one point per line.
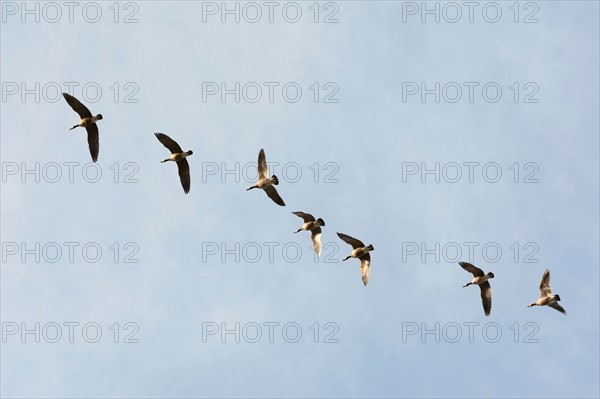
367	135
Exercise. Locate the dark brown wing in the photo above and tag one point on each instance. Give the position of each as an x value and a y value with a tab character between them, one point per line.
168	142
545	284
351	240
77	106
486	297
93	141
274	195
263	170
307	217
475	271
184	175
556	306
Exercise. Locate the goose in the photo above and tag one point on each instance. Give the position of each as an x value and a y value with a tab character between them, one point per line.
361	252
546	297
314	226
177	155
264	182
480	279
88	121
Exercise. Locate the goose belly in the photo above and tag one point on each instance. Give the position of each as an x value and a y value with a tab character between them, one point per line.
309	226
545	301
177	157
358	252
85	122
480	280
264	183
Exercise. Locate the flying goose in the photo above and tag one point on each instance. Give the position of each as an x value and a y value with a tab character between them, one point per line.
480	279
88	121
177	155
546	297
314	226
266	183
361	252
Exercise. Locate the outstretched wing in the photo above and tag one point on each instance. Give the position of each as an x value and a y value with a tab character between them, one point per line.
545	284
93	141
263	170
307	217
184	175
475	271
77	106
315	236
365	268
274	195
351	240
556	306
168	142
486	297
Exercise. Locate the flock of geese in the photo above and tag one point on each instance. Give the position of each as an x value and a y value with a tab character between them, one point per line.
267	184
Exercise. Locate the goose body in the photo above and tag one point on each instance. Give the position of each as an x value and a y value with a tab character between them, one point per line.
178	156
265	182
546	297
87	121
480	279
361	252
312	225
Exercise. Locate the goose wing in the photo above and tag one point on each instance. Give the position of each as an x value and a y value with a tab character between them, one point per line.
93	141
168	142
77	106
545	284
556	306
184	175
486	297
274	195
475	271
351	240
315	236
307	217
365	268
263	170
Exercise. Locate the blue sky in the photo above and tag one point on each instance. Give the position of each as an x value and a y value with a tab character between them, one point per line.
185	281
